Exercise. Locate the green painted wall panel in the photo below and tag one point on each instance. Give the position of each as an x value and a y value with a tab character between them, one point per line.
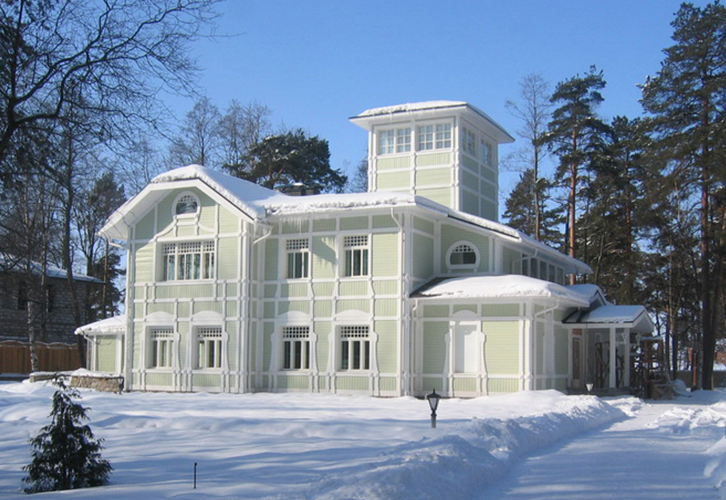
354	305
386	307
499	310
561	351
302	306
206	380
271	247
184	309
323	289
144	263
298	226
434	383
145	227
347	383
387	350
433	177
269	310
323	225
167	307
489	190
353	223
227	258
324	257
294	290
423	225
393	163
383	221
429	159
323	309
469	163
385	287
185	290
434	355
270	291
394	180
503	385
465	384
470	202
384	258
105	354
159	379
388	384
502	347
293	382
228	222
465	307
357	287
439	195
207	305
436	311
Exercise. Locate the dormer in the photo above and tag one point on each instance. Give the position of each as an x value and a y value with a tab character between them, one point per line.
446	151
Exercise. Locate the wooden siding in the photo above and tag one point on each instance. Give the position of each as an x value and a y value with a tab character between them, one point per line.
502	347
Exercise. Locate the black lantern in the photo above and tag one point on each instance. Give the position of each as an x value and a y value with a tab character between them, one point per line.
433	400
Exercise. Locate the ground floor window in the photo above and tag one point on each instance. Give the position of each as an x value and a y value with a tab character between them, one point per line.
162	340
296	348
209	347
355	348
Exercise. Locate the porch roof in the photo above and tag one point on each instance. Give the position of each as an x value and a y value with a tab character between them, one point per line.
114	324
636	318
506	286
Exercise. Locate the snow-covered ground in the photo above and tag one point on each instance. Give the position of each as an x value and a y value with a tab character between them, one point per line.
317	446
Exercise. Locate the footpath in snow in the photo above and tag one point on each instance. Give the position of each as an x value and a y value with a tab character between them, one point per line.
533	445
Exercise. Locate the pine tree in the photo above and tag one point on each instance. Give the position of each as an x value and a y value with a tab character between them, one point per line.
522	213
65	453
574	135
688	115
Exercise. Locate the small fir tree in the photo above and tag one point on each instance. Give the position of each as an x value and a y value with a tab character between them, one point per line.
65	453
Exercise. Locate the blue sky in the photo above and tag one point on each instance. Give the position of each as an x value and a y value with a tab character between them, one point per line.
316	63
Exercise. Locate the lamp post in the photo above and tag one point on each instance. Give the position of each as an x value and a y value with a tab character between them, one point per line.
433	400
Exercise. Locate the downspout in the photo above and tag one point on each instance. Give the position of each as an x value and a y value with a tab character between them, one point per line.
245	361
405	342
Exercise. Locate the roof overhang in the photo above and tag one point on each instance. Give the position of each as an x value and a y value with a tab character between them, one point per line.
634	318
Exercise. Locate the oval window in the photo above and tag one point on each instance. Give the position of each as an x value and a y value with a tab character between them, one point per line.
463	255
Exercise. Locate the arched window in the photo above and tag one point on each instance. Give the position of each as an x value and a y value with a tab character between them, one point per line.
463	255
186	204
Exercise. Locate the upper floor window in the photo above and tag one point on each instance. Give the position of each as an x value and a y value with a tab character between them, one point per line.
485	150
161	340
355	348
296	347
463	255
186	204
191	260
209	347
298	258
435	136
468	142
356	255
394	141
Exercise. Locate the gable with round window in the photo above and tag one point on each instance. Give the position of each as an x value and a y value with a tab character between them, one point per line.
463	255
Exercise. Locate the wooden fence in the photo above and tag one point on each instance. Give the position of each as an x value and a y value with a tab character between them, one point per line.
15	357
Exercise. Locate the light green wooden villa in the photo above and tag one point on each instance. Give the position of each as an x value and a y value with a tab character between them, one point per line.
232	287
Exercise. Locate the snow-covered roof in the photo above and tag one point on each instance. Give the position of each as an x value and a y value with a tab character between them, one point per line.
114	324
258	203
12	264
505	286
375	114
635	317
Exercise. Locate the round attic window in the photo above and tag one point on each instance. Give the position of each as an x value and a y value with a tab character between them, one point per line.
187	204
463	255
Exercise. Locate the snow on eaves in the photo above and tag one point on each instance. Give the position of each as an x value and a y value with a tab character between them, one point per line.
410	107
107	325
506	286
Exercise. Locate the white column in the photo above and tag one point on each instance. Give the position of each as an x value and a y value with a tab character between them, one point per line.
613	359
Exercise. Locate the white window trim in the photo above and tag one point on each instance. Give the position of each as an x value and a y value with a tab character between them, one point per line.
435	138
365	250
303	336
454	247
178	199
287	251
365	357
168	333
206	247
217	336
397	145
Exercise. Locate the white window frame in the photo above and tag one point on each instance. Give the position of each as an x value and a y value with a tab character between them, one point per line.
468	142
295	348
209	347
356	256
463	247
434	136
356	345
394	141
183	202
161	347
297	257
485	149
188	260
